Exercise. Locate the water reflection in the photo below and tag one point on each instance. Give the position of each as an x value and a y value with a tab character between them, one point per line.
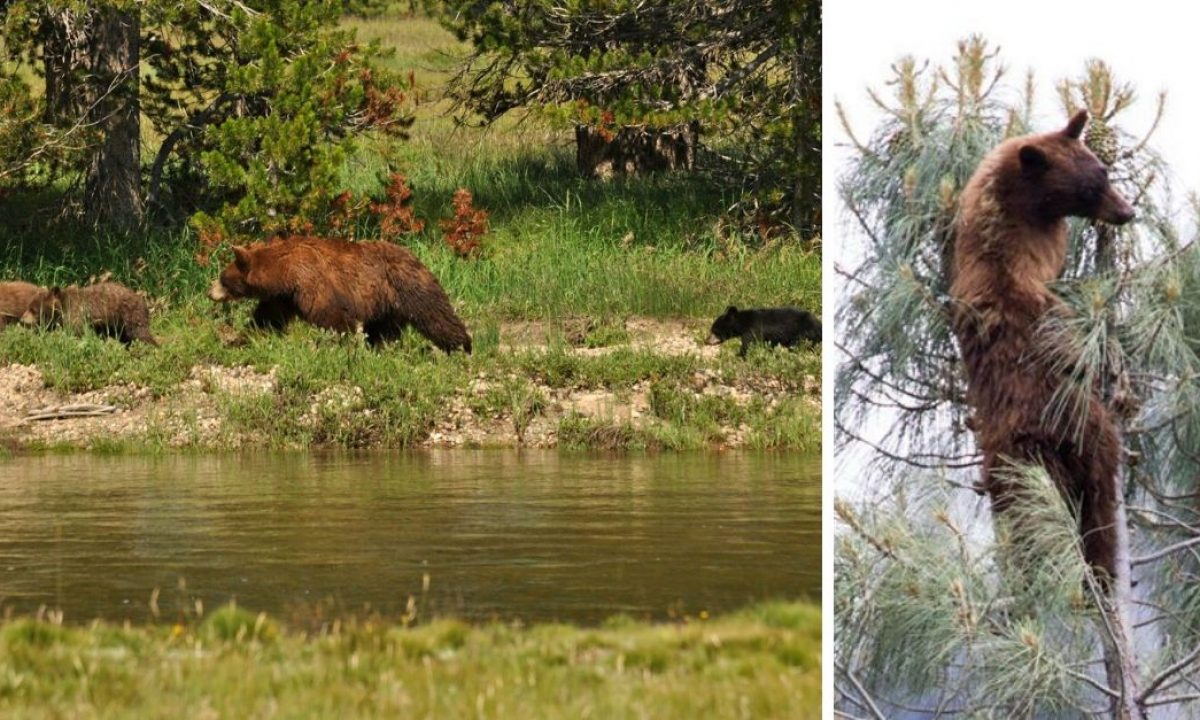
506	534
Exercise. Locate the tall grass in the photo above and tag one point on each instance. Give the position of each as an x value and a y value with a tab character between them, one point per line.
763	662
557	246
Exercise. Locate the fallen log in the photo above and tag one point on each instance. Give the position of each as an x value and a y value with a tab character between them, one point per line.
66	412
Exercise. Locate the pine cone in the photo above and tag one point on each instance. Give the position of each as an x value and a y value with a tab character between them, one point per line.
1102	141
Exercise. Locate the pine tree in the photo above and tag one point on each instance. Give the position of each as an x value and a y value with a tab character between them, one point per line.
937	610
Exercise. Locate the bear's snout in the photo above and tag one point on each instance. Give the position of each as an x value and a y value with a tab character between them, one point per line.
712	340
1115	209
217	291
1124	216
29	318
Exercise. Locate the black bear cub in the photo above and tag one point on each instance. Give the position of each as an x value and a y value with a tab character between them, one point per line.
775	326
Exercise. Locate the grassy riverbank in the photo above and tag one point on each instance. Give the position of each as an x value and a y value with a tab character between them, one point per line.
310	388
587	308
763	662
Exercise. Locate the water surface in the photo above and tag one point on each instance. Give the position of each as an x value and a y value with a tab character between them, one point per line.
534	535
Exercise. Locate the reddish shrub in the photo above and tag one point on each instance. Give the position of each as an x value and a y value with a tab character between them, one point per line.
396	215
463	231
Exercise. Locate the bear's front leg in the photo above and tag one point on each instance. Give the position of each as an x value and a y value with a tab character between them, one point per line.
274	313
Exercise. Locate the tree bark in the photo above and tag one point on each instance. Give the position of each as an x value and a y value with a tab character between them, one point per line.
799	129
634	150
65	63
1116	627
113	194
806	119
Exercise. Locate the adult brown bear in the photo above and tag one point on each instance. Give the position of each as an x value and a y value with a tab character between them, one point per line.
377	287
1011	242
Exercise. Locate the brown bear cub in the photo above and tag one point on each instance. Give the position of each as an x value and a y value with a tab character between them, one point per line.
376	287
15	299
1011	242
109	308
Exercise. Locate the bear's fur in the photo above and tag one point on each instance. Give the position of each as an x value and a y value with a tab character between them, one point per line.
1011	242
15	299
376	287
109	308
775	326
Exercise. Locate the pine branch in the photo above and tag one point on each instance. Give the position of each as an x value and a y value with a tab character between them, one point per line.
925	461
1158	555
1172	700
863	696
1167	674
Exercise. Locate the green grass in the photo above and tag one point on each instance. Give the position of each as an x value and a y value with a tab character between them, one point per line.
762	662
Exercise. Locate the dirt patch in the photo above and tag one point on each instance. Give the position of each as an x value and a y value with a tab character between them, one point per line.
236	380
531	421
188	417
23	392
657	335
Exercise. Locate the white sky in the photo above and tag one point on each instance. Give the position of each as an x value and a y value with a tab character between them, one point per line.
1149	43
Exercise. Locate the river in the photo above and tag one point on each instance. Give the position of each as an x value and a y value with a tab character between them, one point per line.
477	534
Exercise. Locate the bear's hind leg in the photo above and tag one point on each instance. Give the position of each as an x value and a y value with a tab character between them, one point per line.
1083	480
1097	517
1097	481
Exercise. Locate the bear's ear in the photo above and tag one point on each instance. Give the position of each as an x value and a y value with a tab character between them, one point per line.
1033	158
731	310
55	293
1075	125
241	257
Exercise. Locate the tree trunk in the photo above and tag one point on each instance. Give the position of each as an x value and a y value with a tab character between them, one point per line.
1115	628
65	65
798	184
113	195
1120	654
634	150
800	130
806	122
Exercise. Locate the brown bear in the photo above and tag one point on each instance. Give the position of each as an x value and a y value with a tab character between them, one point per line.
15	299
109	308
1011	242
376	287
